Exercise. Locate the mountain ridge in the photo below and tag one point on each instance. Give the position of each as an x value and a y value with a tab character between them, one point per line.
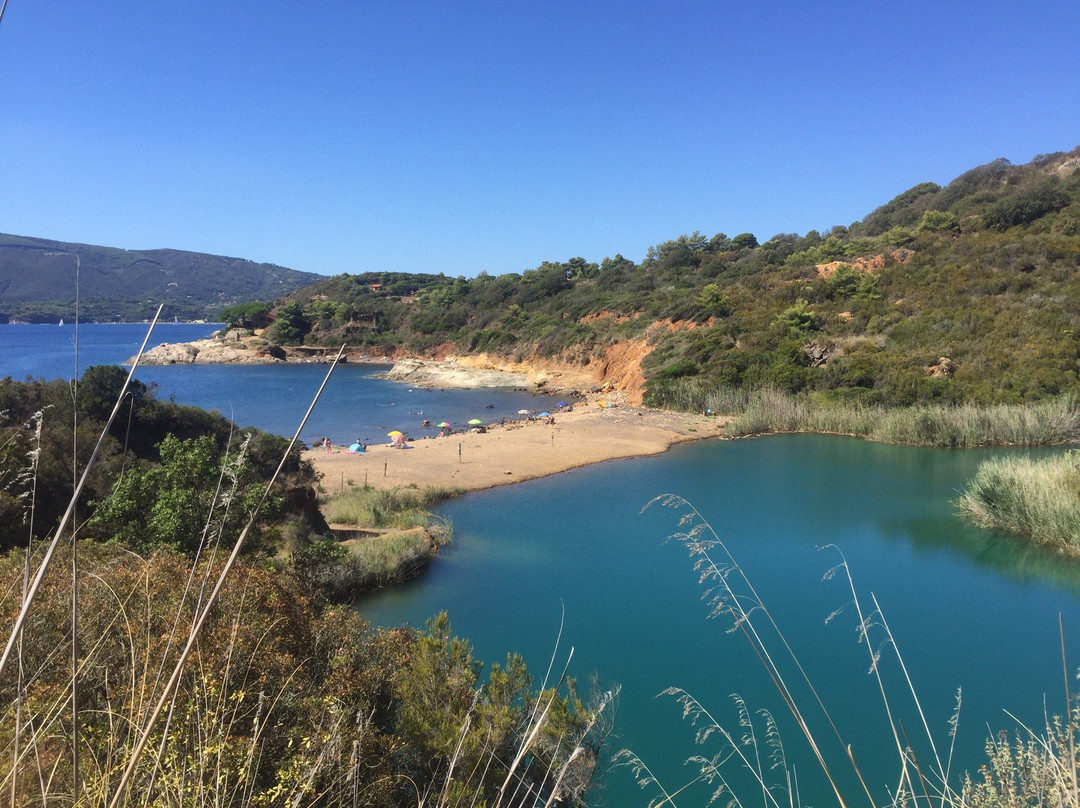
37	281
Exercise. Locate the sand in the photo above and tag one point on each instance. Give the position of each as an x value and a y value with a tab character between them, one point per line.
515	451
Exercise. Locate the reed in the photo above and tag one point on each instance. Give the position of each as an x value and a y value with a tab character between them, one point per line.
370	507
377	561
1035	498
943	426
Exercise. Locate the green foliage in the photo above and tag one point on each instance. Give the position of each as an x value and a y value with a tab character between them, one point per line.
713	300
194	496
131	447
100	386
798	318
937	221
1027	205
290	325
251	315
676	370
444	721
847	282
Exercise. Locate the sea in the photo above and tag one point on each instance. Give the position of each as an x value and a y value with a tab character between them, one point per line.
848	555
355	407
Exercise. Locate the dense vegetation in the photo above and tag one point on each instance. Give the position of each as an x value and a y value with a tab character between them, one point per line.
156	477
280	696
283	702
963	293
37	282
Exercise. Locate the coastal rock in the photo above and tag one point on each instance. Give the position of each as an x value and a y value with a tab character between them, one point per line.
450	375
210	352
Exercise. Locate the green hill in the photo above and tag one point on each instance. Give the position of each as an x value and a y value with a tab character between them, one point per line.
37	282
967	292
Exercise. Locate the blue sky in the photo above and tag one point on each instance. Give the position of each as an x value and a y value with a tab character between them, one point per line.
492	136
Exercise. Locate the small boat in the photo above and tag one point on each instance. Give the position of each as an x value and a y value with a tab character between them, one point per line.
61	321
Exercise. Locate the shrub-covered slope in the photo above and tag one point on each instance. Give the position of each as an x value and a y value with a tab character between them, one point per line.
967	292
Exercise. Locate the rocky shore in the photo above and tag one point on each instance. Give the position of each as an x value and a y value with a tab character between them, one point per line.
238	348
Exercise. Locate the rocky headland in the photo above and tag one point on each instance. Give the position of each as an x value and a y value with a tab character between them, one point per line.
617	375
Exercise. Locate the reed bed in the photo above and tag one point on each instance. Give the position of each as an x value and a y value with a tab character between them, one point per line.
371	507
1035	498
1044	423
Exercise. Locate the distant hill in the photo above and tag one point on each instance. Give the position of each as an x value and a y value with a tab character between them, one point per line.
37	282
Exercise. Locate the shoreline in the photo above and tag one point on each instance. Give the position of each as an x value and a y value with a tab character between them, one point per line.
515	451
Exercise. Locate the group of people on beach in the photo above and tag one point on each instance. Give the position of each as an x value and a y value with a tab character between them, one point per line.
398	439
356	447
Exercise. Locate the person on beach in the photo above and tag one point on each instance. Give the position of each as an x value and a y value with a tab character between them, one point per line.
327	444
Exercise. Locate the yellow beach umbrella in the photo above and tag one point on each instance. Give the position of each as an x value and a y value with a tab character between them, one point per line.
391	434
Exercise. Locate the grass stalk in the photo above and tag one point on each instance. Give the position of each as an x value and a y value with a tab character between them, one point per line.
120	795
43	567
699	539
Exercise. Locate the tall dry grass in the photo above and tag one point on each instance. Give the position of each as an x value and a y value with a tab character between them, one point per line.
1043	423
403	508
1035	498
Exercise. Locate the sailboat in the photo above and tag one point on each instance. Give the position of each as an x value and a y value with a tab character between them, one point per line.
61	321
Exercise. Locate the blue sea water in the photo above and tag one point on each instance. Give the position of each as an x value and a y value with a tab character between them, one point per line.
968	609
355	406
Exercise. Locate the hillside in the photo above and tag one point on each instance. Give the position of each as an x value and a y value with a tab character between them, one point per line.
967	292
37	282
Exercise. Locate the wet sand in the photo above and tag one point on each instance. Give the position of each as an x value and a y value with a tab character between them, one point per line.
514	451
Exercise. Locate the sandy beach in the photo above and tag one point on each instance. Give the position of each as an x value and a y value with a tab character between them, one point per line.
514	451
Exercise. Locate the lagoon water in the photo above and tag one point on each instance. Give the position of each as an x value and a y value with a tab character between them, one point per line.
968	609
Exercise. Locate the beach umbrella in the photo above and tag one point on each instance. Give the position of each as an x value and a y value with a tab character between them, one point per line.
544	415
444	425
561	404
392	434
475	422
523	412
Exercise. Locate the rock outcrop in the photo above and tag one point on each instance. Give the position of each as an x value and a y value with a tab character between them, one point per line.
448	374
212	352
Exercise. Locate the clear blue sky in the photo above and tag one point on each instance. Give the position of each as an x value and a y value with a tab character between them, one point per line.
462	137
